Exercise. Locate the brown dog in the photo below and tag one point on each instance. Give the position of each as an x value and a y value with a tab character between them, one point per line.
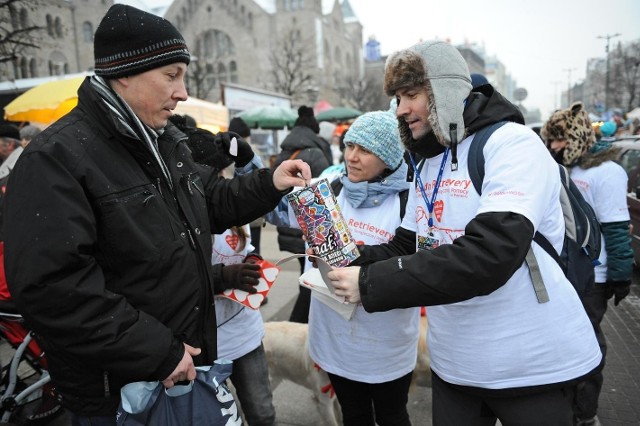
287	351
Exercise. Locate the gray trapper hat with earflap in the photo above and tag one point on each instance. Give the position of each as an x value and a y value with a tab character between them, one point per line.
440	68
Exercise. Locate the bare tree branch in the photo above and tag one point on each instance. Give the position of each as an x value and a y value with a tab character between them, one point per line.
291	63
17	36
626	75
365	94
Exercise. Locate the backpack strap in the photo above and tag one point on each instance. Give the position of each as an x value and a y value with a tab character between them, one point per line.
536	276
336	186
569	221
475	165
475	161
404	196
295	154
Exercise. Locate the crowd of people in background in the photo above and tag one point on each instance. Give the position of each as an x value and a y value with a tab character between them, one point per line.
143	220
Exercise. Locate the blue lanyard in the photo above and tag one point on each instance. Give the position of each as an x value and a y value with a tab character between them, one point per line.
430	205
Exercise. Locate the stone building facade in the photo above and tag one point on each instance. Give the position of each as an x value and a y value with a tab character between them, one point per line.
64	40
234	41
231	40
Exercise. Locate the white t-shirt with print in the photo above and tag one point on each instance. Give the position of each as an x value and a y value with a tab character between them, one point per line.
371	347
240	329
604	187
505	339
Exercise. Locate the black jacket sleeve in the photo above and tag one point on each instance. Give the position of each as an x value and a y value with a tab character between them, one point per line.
493	247
237	201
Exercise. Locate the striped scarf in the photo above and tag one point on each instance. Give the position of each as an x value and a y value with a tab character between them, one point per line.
130	121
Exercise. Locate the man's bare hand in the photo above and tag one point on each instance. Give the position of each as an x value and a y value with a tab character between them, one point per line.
345	282
291	173
185	369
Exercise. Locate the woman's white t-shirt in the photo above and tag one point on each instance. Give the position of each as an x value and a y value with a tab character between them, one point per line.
371	347
240	329
505	339
601	187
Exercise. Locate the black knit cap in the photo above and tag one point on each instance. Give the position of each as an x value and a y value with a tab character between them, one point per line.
238	125
9	131
307	119
129	41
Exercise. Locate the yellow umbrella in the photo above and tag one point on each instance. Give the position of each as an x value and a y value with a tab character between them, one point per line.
46	102
49	101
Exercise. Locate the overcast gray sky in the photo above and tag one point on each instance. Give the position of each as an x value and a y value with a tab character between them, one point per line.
538	41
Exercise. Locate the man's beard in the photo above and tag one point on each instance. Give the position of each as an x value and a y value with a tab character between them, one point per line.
427	146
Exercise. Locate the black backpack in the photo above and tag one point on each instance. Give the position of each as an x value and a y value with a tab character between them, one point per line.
582	238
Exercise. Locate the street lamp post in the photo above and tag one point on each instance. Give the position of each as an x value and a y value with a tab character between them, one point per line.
568	71
555	94
607	37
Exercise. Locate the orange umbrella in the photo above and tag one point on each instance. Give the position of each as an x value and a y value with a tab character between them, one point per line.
46	102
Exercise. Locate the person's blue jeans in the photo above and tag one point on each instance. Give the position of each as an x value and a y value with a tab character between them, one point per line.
250	377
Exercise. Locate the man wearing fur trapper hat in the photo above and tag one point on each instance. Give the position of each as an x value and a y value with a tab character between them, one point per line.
496	350
603	184
109	223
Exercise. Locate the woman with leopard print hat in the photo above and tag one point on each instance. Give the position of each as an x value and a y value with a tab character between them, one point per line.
603	184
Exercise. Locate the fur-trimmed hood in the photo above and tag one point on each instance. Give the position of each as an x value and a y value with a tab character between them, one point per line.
589	159
440	68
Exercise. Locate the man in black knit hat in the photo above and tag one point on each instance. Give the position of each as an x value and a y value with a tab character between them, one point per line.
112	219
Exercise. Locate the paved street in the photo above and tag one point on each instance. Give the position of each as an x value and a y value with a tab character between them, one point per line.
620	399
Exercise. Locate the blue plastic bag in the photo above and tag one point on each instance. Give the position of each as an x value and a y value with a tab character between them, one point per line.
206	401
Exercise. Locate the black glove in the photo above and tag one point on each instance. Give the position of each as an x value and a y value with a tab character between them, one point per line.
245	153
618	288
243	276
252	258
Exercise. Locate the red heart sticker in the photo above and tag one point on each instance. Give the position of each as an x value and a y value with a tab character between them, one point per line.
268	274
438	207
232	240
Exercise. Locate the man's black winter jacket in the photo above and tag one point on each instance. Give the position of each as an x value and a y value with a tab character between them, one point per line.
108	264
